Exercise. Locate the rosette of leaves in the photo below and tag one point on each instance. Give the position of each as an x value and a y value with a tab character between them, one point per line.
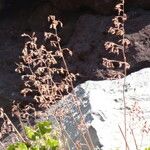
39	137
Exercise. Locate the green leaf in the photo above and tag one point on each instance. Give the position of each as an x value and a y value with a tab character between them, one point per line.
21	146
35	147
11	147
31	133
53	144
44	127
17	146
39	136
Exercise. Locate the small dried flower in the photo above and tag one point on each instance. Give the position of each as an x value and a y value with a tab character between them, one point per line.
55	22
108	63
1	113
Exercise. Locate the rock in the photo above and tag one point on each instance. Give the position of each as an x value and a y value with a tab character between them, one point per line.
139	52
106	102
102	106
87	45
90	35
99	6
1	4
143	4
103	6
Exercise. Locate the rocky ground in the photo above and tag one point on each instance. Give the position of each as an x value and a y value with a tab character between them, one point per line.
84	32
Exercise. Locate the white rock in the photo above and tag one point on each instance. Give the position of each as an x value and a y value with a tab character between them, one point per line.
106	101
103	108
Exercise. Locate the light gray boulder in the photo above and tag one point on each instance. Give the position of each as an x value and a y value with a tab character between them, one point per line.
107	109
103	108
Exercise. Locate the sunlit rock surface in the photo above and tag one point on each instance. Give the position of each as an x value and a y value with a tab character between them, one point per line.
107	109
103	108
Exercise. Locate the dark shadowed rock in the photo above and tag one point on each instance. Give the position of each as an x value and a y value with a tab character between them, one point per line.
101	6
138	32
1	5
98	6
140	3
90	35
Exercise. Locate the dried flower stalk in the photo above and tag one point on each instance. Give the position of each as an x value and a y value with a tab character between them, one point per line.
46	74
118	29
